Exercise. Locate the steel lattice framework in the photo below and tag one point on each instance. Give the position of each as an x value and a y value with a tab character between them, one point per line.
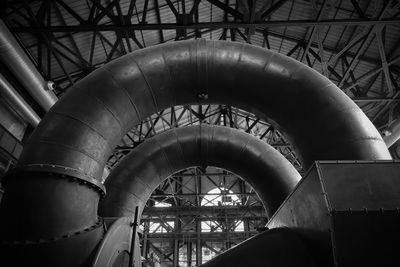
190	221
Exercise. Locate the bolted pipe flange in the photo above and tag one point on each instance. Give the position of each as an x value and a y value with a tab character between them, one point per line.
98	224
71	174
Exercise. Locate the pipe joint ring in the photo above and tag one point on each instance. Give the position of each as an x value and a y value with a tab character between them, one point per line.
202	69
98	224
63	172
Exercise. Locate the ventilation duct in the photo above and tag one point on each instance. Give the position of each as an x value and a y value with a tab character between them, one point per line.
56	187
134	179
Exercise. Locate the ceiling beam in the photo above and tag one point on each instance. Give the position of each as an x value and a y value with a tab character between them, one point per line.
204	25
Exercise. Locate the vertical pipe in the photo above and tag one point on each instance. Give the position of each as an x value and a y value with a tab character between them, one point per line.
189	253
176	253
198	223
145	241
198	245
176	243
134	224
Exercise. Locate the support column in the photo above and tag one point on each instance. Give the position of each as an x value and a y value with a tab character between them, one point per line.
176	242
145	246
199	249
246	225
189	253
227	230
176	253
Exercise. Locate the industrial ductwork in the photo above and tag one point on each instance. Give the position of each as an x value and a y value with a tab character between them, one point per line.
143	170
134	179
55	189
12	55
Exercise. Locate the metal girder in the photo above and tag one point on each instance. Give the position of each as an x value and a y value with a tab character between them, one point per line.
189	221
364	44
204	25
234	12
371	73
314	29
149	212
385	67
238	236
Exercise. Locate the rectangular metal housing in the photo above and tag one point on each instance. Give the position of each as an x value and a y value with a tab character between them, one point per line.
347	212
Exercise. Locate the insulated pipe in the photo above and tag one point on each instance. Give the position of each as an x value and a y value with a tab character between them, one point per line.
23	108
131	183
12	55
78	134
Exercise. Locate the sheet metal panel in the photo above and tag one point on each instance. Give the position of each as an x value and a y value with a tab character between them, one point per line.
355	185
306	211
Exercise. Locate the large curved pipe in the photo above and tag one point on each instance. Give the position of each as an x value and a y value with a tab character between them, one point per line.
134	179
79	132
319	119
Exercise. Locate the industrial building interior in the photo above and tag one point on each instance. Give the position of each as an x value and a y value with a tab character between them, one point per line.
199	133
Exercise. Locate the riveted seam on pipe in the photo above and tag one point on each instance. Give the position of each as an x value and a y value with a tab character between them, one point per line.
297	70
87	125
242	48
206	145
98	224
170	76
202	69
201	153
59	172
268	62
128	95
211	141
103	104
245	146
128	193
150	89
140	179
180	146
164	154
67	147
